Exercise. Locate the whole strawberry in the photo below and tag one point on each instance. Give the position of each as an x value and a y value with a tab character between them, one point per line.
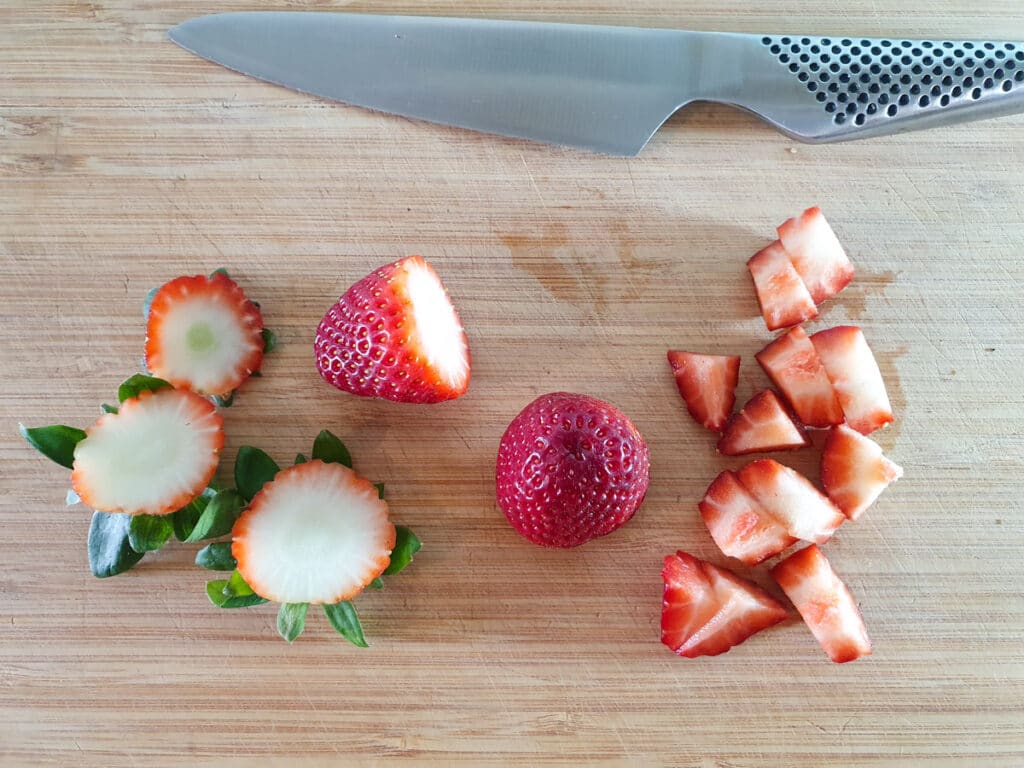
395	335
570	468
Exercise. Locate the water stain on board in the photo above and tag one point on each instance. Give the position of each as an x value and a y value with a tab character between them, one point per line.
897	398
854	298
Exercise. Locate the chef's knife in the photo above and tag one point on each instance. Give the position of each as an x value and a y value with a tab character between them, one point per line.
608	89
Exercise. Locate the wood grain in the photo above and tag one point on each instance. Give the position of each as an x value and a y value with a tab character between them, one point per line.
124	161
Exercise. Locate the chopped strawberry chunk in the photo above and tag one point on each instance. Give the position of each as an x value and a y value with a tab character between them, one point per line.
854	471
816	253
782	295
825	604
791	499
707	610
739	525
792	363
853	371
763	424
707	384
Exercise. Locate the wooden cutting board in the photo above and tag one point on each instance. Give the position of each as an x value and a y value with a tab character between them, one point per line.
124	162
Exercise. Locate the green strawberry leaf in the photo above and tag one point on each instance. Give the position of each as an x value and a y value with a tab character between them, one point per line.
238	586
253	469
345	620
217	592
220	271
328	448
300	459
147	533
150	294
108	408
218	517
380	490
269	340
56	442
110	552
185	519
407	544
216	557
139	383
377	583
291	620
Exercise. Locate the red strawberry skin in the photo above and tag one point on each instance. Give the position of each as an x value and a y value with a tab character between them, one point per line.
367	342
570	468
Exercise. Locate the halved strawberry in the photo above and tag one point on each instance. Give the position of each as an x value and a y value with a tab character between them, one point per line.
854	471
825	604
782	295
816	254
739	525
395	335
707	384
853	371
763	424
793	365
152	457
316	533
203	334
791	499
707	610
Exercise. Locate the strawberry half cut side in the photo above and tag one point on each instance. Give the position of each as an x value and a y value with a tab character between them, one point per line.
816	253
854	471
793	365
762	425
853	371
739	525
152	457
781	294
791	499
707	384
706	610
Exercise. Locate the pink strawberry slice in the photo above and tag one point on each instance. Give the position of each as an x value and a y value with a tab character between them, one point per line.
853	371
707	384
395	335
817	254
762	425
739	525
792	363
570	468
782	295
825	604
706	610
791	499
854	471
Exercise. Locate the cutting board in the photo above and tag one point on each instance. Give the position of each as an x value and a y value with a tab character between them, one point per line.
124	162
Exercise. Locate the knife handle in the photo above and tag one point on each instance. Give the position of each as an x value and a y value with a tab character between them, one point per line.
824	89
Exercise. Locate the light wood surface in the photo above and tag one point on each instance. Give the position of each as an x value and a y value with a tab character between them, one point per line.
125	161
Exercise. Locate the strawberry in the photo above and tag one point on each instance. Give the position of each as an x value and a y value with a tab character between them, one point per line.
790	498
782	295
853	371
395	335
792	363
854	471
707	384
316	533
152	457
739	525
706	610
203	334
570	468
763	424
816	253
825	604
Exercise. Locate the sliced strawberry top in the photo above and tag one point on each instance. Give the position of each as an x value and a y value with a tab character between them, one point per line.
853	371
707	610
791	499
792	363
817	254
854	471
739	525
825	604
707	384
763	424
783	297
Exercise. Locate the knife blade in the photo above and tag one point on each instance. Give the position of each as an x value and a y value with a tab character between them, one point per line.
609	89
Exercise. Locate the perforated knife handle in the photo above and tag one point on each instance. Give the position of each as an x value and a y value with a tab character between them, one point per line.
822	89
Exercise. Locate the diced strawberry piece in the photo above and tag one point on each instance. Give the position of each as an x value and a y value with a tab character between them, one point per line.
707	384
816	254
707	610
792	363
791	499
783	297
853	371
825	604
854	471
739	525
763	424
